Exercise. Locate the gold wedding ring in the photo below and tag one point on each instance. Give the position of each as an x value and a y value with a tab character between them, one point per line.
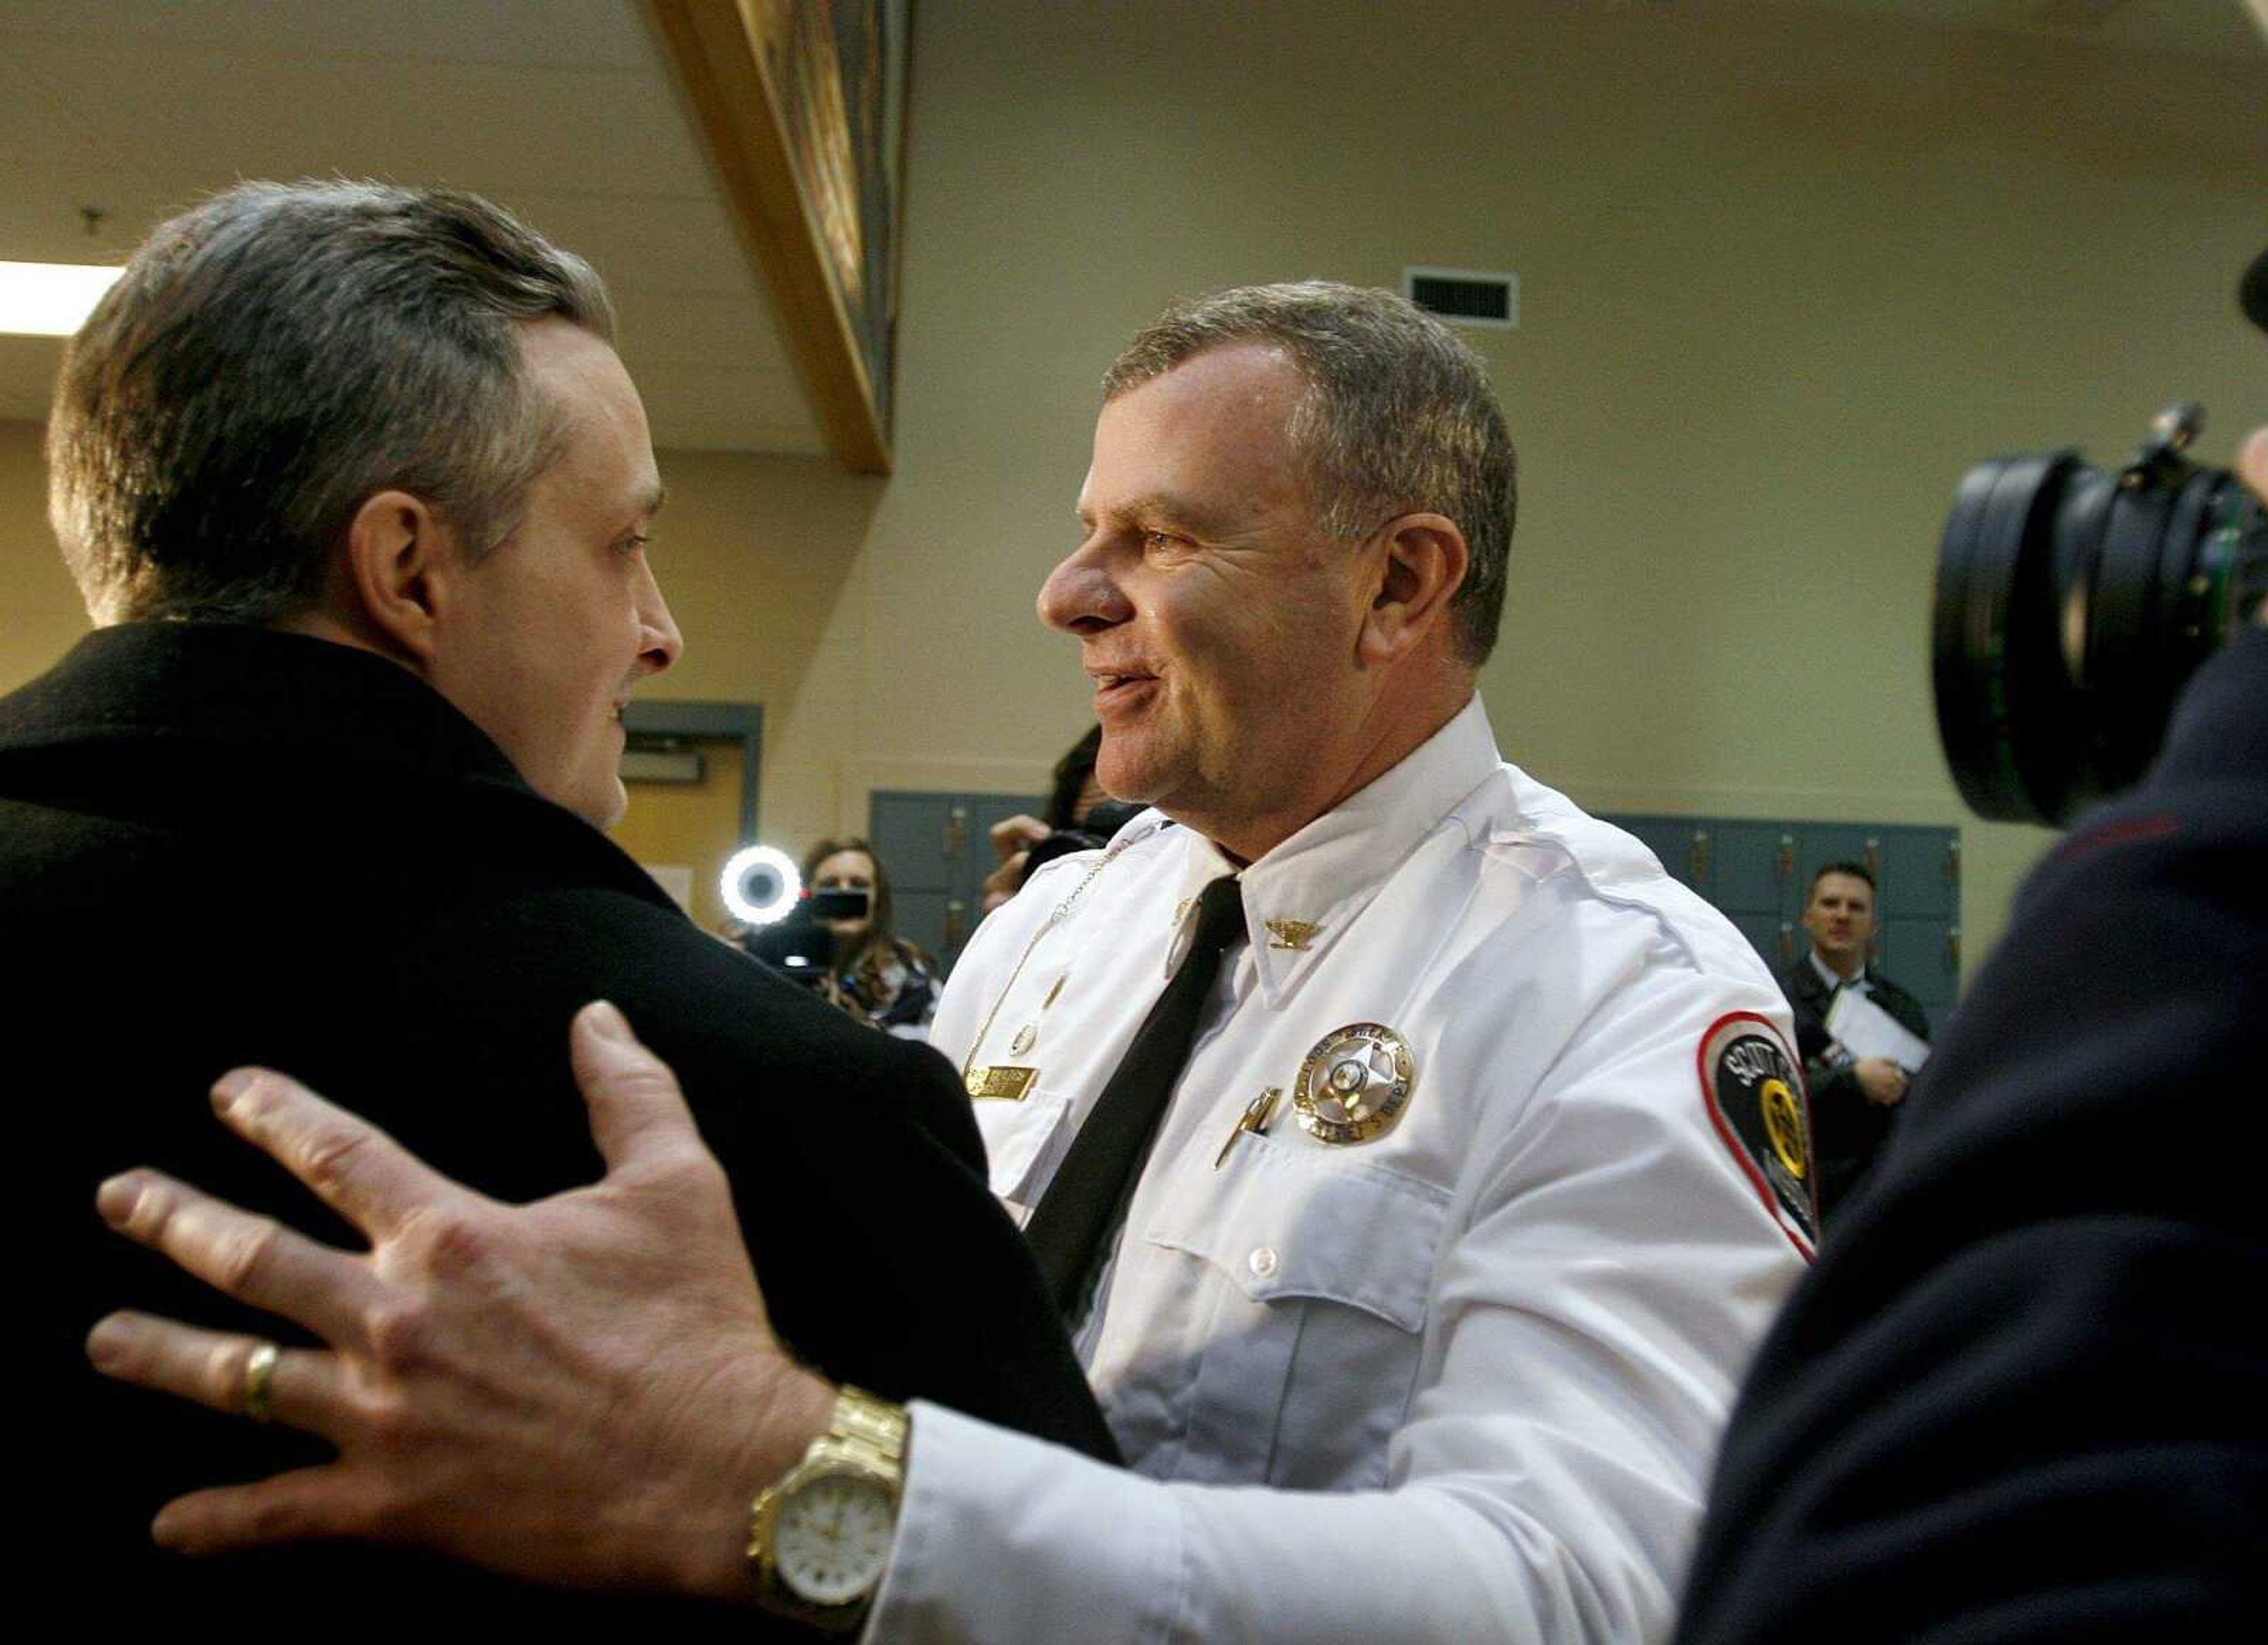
259	1379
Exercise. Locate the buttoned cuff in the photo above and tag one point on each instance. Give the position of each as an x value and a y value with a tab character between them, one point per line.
983	1527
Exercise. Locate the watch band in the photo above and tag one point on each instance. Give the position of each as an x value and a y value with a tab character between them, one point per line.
870	1429
865	1437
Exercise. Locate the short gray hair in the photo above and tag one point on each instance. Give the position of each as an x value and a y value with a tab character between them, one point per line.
277	356
1398	418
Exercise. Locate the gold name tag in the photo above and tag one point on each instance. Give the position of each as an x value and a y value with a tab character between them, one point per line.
1003	1083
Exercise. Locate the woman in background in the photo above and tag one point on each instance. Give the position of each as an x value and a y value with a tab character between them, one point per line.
875	975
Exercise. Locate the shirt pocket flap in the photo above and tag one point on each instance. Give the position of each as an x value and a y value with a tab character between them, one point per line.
1283	1221
1017	1138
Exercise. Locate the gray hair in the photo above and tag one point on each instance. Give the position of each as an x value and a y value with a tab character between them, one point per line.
1398	418
273	358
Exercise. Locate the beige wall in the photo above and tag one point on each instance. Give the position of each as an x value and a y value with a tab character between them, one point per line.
1784	277
39	613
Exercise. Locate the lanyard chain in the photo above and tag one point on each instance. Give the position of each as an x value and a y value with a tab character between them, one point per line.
1061	912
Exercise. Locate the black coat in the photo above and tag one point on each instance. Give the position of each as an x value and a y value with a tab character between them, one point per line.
2023	1395
1847	1130
221	846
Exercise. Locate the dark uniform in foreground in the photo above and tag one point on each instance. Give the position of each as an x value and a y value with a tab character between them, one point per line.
2024	1394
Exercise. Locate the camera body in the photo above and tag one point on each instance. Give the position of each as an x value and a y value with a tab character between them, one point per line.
800	945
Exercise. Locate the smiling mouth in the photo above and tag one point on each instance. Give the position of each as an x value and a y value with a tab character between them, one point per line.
1120	690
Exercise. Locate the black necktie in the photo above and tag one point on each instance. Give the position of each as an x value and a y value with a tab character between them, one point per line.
1091	1188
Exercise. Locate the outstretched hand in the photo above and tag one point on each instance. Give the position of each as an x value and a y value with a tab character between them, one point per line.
583	1390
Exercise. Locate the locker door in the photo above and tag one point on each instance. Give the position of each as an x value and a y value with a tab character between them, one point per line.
910	832
965	907
938	850
1926	865
1922	956
1772	937
1681	844
1755	864
1923	933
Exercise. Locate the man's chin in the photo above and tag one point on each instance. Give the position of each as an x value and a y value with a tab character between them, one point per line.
605	808
1130	777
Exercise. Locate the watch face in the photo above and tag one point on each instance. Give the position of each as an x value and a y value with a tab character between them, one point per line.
832	1538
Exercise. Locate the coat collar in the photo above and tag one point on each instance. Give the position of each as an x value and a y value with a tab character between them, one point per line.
235	691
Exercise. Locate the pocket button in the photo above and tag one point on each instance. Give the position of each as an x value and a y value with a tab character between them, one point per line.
1263	1260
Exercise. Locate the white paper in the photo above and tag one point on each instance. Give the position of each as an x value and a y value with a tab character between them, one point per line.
1866	1030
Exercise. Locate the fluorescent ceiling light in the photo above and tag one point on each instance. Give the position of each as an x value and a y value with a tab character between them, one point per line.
50	299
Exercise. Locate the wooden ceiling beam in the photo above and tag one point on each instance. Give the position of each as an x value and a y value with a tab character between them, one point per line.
718	53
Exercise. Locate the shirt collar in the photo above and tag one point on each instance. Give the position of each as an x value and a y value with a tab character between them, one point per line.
1828	974
1299	897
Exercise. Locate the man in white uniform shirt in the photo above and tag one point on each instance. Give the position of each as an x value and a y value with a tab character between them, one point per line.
1485	1172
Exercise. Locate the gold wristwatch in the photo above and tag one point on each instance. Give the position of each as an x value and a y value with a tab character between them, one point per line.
820	1539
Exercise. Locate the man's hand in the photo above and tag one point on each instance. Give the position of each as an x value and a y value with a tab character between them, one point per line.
1012	840
1013	836
1883	1081
584	1390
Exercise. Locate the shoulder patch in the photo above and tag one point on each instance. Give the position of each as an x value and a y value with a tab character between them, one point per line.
1754	1088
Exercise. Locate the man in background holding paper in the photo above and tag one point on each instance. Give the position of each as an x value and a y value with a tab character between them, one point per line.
1862	1036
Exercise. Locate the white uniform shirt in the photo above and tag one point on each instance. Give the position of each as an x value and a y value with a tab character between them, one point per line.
1461	1381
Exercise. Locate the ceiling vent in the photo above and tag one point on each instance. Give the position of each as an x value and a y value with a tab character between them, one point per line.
1465	297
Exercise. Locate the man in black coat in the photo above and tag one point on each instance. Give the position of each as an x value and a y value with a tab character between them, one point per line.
2021	1396
1854	1099
357	492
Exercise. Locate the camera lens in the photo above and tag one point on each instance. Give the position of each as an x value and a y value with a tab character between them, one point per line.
2071	605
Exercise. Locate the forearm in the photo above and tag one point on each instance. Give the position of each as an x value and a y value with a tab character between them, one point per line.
1005	1539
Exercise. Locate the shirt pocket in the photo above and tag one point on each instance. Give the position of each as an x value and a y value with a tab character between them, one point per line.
1319	1270
1022	1142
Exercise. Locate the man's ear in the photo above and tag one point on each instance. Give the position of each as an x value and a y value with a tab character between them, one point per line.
399	556
1422	561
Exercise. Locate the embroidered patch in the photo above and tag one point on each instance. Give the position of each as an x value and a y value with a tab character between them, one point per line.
1755	1098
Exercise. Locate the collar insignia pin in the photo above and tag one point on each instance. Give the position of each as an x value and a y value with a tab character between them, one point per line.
1291	935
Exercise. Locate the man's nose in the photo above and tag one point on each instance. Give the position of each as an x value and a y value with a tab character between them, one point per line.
1081	595
659	643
